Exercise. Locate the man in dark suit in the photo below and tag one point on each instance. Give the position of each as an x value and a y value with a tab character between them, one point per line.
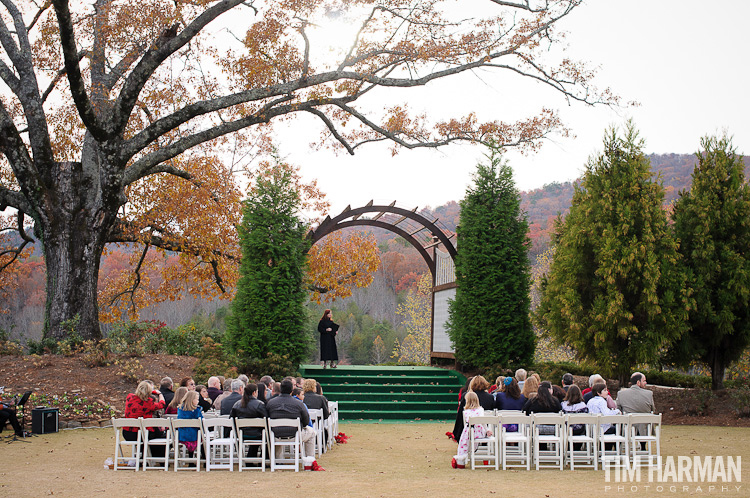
238	387
567	381
285	406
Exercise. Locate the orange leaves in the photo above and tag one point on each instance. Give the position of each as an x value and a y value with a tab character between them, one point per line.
338	265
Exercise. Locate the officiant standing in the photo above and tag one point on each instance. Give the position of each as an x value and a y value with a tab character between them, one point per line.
328	331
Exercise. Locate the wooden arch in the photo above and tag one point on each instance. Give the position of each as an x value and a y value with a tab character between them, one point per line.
420	232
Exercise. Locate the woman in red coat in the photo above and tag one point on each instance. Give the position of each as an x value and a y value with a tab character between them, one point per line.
143	403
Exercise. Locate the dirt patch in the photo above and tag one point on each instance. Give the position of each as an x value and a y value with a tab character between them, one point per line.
68	378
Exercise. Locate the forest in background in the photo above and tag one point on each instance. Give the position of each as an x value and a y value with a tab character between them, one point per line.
374	320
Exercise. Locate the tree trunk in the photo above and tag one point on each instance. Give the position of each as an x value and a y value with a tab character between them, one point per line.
74	230
717	371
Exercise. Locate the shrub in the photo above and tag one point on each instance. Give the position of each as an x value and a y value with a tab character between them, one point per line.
213	359
741	400
275	365
95	353
46	345
676	379
132	370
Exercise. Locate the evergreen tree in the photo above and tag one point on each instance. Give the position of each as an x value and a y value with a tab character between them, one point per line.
268	313
489	319
712	223
613	292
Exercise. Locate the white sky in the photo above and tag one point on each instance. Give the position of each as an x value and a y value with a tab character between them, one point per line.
684	61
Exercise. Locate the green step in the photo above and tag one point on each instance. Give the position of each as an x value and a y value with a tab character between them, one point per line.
389	388
385	397
399	415
366	392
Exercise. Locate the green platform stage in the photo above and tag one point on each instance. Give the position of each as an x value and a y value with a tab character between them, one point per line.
375	393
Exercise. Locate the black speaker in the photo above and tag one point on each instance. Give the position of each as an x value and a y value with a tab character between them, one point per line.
44	420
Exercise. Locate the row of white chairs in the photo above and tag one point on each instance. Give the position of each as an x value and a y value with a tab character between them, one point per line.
548	439
220	440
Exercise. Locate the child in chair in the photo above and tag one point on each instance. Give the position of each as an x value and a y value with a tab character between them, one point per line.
189	409
471	409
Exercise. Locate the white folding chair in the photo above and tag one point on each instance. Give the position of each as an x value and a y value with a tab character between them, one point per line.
516	446
121	460
645	431
219	448
333	409
618	457
291	443
485	449
586	455
148	443
244	444
180	453
316	417
548	429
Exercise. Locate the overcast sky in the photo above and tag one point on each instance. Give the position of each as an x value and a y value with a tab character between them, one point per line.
684	61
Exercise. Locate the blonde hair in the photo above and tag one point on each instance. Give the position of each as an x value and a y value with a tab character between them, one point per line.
309	386
190	401
179	394
530	387
472	401
144	389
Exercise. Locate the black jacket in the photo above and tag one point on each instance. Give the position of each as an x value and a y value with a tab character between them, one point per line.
285	406
255	409
317	402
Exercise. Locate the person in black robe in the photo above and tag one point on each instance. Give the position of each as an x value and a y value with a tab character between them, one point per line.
328	331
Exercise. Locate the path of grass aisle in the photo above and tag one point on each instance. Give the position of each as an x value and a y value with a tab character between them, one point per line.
388	460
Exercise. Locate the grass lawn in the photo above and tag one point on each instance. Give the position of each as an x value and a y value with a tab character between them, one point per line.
380	460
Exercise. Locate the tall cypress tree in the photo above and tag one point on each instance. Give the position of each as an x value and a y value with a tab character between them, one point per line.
712	222
489	319
613	291
268	313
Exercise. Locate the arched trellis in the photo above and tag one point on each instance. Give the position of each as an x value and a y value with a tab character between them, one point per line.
424	235
419	231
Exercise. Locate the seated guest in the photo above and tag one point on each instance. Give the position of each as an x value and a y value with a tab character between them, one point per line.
498	386
214	388
312	399
227	391
8	414
573	403
530	387
598	404
611	404
636	399
593	378
244	379
479	386
521	377
276	389
285	406
142	404
166	389
250	407
179	395
318	388
189	409
238	388
567	381
543	402
190	384
536	376
559	393
511	398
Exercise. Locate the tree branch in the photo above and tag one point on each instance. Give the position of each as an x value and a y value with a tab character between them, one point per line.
332	129
43	8
16	252
73	70
167	44
137	282
59	76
